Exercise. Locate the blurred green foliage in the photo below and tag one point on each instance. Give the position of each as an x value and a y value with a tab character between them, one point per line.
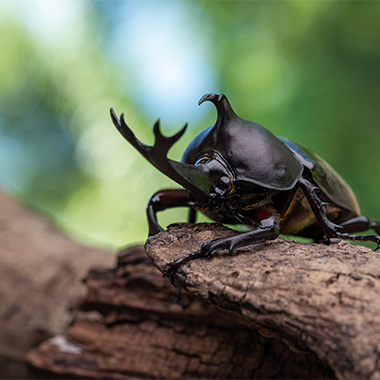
307	70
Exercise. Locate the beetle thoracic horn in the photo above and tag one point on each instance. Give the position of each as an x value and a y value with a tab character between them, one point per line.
188	176
223	106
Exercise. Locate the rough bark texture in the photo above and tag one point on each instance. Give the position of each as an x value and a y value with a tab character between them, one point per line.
141	332
324	299
40	273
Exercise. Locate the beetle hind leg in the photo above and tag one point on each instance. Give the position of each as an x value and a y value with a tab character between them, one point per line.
359	224
374	225
362	238
345	229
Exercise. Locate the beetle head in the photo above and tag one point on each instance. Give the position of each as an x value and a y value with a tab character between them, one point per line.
220	178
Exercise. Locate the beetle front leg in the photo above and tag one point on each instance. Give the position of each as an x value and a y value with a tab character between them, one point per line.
331	229
162	200
267	229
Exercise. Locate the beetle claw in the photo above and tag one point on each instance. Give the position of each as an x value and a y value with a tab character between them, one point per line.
170	269
169	272
231	250
207	250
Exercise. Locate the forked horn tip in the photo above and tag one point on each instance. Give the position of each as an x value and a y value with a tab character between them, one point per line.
180	133
114	118
156	127
113	113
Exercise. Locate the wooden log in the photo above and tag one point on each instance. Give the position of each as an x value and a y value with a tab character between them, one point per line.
320	298
139	331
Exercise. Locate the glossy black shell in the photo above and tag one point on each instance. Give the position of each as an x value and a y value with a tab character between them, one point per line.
328	180
251	152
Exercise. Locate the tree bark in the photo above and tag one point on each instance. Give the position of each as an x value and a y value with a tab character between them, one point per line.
323	299
142	332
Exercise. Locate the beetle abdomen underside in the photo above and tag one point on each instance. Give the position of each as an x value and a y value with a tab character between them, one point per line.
300	220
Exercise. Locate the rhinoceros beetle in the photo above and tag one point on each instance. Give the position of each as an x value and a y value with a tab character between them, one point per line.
237	172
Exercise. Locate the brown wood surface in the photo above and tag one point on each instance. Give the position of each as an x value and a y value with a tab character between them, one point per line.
131	327
325	299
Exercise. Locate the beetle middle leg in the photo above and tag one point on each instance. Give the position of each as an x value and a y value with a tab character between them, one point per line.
343	230
192	216
266	229
164	199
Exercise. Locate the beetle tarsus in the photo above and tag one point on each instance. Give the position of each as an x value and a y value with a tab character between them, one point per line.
268	229
361	238
170	269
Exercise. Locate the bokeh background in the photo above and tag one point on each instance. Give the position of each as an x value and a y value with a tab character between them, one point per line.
307	70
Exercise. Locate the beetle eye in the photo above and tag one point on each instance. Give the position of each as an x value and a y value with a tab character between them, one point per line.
223	185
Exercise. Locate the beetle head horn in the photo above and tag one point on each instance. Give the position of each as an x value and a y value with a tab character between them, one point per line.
190	177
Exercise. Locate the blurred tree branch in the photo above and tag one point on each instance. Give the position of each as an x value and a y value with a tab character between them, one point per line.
40	278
